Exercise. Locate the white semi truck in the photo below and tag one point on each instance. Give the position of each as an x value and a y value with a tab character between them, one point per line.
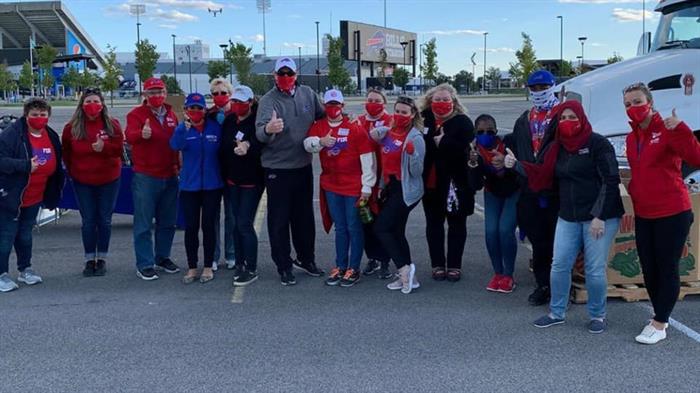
669	64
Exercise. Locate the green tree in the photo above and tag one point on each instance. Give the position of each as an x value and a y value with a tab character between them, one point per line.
527	61
88	80
7	82
382	66
71	79
260	84
430	66
400	76
463	80
146	59
217	69
615	58
567	68
338	76
26	77
171	84
493	75
45	55
112	72
241	57
441	78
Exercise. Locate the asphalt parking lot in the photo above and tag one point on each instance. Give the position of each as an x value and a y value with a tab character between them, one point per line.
118	333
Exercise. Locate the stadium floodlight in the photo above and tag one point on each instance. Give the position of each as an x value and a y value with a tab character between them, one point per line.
263	7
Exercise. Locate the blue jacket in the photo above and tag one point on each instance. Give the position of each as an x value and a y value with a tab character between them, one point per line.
15	167
200	156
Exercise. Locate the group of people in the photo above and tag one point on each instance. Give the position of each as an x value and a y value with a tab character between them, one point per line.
553	177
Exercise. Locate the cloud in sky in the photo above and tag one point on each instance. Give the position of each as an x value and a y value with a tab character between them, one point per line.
167	26
203	5
171	16
297	45
257	38
497	50
601	1
630	15
455	32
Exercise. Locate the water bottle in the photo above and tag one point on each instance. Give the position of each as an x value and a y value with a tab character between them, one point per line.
365	212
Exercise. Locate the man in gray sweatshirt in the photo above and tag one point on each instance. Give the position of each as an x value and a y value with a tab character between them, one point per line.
284	117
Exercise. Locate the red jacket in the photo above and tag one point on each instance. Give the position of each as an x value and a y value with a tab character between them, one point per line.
83	163
152	157
655	156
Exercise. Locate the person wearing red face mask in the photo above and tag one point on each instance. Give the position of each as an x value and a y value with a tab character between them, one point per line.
148	130
656	149
92	150
31	176
199	138
585	168
242	173
401	182
347	162
284	117
448	195
220	90
375	116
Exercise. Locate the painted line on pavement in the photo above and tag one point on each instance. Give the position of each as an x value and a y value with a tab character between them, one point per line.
674	323
239	292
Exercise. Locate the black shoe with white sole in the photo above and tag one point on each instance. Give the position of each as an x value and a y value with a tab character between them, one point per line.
148	274
287	278
309	267
167	266
371	268
245	278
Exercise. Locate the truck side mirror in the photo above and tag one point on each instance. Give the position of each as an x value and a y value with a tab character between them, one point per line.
644	45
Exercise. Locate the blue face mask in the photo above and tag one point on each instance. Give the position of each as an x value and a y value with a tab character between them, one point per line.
486	140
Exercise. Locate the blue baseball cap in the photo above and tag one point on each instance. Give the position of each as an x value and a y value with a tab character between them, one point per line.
195	99
541	77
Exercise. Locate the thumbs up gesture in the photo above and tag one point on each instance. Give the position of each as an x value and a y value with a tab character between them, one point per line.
498	159
510	159
241	148
35	163
146	132
672	122
98	145
275	125
328	140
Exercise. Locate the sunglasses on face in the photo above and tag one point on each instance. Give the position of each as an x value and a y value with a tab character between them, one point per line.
92	90
285	73
155	92
219	93
489	132
195	108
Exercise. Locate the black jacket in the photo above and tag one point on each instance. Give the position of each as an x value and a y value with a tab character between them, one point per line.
522	148
500	186
240	170
589	182
15	167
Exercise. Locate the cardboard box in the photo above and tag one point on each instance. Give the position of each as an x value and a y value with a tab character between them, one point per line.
623	261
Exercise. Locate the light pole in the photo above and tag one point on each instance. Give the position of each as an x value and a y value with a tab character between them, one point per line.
473	71
561	46
318	60
263	7
583	41
174	60
224	50
189	60
403	45
420	62
299	65
483	81
138	9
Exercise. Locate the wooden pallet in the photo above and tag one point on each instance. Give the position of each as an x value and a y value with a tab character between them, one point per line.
630	292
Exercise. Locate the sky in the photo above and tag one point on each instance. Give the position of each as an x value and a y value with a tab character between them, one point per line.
611	26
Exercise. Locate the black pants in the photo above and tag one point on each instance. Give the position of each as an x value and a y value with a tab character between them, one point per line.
201	208
390	227
373	246
539	221
660	243
435	207
290	206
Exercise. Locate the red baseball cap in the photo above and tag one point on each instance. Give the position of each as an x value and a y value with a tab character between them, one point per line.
153	83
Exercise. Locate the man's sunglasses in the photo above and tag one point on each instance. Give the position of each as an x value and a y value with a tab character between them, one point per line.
490	132
286	73
219	93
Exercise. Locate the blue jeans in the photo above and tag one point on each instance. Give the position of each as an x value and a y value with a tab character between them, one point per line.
242	204
96	204
569	239
153	198
348	230
500	216
17	231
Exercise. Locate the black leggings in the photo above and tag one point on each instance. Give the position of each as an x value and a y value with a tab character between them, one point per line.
539	221
435	207
200	208
660	244
390	227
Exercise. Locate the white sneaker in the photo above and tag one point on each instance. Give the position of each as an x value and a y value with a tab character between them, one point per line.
214	266
410	279
6	283
395	285
29	277
230	263
650	335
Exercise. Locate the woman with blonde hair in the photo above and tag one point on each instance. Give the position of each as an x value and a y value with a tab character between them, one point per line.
448	195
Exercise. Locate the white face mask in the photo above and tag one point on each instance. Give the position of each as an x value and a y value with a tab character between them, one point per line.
544	99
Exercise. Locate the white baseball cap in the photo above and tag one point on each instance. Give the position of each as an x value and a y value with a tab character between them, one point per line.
242	93
333	95
285	62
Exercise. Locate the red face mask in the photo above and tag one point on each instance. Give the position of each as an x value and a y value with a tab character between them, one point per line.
638	113
333	111
221	100
240	108
402	121
441	108
569	128
374	109
155	101
285	82
92	109
37	123
195	116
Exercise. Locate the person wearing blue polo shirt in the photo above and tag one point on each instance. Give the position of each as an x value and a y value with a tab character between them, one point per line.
198	139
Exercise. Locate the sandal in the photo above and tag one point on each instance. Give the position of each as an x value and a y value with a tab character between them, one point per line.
189	278
206	277
454	275
439	273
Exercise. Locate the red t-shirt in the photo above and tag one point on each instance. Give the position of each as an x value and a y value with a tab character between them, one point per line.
341	166
368	125
392	147
43	149
83	163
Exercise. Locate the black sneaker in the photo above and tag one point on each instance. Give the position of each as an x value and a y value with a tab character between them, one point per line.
238	271
309	267
384	272
245	278
100	267
350	278
539	297
148	274
335	276
287	278
371	268
168	266
89	270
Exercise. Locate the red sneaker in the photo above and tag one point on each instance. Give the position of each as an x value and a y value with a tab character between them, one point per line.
506	285
494	283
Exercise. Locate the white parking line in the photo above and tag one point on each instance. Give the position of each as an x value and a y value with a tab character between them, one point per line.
674	323
239	292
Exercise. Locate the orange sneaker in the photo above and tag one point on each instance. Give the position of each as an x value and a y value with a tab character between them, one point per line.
335	276
350	278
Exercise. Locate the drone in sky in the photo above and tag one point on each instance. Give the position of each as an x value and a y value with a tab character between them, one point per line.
215	11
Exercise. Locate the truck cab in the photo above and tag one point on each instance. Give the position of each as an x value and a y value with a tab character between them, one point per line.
669	64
